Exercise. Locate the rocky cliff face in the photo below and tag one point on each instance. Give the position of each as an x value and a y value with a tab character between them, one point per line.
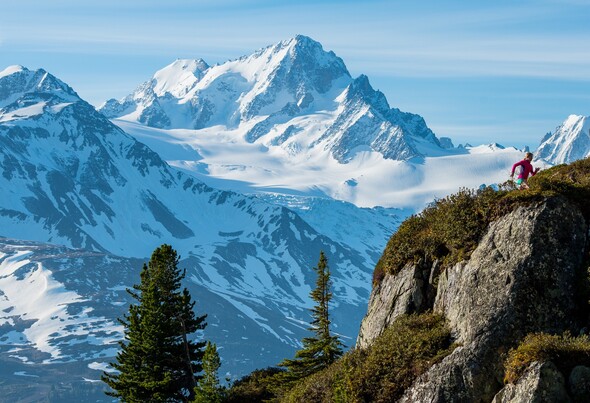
520	279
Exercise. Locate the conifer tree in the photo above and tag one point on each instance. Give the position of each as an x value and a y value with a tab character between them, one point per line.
157	361
323	348
208	389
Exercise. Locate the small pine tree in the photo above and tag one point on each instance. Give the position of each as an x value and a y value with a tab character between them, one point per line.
157	361
323	348
208	389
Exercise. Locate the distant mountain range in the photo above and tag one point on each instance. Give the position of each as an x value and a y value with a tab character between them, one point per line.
289	119
248	168
296	96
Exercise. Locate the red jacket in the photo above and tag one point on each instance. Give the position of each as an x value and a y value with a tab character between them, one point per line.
527	169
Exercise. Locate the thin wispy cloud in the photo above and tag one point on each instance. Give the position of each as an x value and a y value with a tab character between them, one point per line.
459	42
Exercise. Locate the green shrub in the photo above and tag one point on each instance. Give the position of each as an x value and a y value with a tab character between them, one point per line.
259	386
449	230
381	373
564	351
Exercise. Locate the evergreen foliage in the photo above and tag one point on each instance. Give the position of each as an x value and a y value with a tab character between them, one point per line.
323	348
208	389
157	361
260	386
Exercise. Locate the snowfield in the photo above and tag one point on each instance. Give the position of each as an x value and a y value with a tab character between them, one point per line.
223	159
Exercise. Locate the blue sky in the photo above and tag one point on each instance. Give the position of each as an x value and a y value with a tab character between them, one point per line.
478	71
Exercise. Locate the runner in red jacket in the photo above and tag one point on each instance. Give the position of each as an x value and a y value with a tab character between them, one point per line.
526	170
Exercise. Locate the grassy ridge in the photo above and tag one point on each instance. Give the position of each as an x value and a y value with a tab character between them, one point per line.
450	229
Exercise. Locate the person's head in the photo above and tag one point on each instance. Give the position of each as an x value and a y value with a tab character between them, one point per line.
528	156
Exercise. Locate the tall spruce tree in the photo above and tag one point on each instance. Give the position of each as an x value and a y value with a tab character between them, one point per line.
209	390
323	348
157	361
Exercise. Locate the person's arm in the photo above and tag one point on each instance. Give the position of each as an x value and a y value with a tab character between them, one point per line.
514	167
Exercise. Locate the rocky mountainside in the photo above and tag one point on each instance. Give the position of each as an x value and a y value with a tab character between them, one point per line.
568	142
292	95
526	275
74	179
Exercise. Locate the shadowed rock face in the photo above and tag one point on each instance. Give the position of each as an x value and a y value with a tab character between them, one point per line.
520	279
542	382
410	291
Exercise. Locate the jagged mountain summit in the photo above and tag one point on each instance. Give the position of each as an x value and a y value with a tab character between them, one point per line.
568	142
72	178
293	95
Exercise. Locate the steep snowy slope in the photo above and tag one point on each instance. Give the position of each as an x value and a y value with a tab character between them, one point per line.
568	142
292	96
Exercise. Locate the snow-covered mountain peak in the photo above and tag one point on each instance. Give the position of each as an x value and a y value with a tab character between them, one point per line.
300	52
11	70
302	41
296	71
179	77
17	81
307	61
310	51
25	93
568	142
572	121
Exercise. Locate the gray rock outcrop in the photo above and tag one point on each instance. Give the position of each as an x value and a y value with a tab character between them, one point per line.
543	382
520	279
540	383
404	293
